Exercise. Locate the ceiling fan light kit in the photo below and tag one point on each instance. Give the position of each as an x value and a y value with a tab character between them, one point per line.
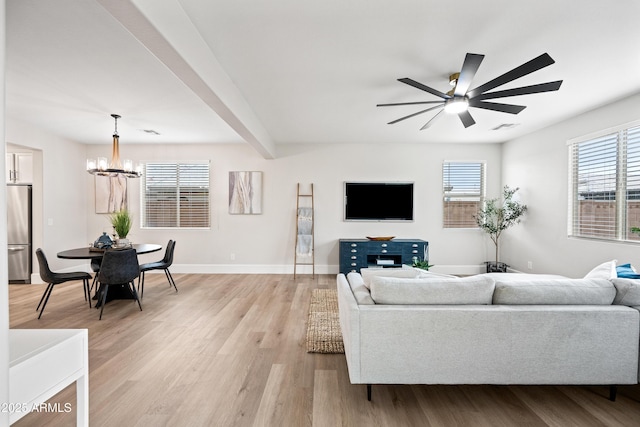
456	104
460	98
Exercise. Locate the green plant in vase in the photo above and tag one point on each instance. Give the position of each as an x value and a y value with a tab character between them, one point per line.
121	222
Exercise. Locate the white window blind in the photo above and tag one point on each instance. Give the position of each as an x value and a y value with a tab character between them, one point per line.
175	195
605	186
463	193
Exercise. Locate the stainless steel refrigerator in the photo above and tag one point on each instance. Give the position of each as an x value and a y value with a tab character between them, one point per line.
19	232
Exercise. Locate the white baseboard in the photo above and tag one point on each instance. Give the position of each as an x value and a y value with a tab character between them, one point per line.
273	269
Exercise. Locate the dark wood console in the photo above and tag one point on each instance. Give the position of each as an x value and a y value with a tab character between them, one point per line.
364	253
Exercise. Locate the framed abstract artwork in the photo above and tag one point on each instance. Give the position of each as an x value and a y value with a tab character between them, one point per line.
245	193
111	194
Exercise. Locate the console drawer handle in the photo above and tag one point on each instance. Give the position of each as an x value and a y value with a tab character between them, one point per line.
354	257
353	245
384	251
354	250
384	245
414	245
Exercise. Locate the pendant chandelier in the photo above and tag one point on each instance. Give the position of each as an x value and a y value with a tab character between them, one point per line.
114	168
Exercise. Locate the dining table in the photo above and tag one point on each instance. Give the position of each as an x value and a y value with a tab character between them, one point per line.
90	253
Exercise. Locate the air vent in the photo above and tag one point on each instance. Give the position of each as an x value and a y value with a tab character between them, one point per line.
505	126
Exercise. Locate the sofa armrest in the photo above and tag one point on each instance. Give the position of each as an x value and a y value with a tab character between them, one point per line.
350	325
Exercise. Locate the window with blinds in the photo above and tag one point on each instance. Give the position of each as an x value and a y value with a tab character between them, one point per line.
605	186
175	195
463	193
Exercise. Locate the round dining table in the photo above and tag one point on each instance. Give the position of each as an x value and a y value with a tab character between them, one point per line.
121	292
89	253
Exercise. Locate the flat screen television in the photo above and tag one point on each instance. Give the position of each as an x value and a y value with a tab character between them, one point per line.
378	201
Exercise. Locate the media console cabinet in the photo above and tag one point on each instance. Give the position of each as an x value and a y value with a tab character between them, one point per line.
365	253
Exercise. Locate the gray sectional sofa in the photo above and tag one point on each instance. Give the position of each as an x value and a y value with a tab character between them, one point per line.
409	327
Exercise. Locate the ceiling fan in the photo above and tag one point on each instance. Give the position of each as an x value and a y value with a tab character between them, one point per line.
457	100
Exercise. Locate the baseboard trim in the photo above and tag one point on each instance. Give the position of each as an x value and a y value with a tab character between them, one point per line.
466	270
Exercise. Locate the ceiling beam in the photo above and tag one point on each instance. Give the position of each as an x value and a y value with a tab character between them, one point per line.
167	32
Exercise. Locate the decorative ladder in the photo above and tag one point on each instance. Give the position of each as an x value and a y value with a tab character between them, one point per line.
305	239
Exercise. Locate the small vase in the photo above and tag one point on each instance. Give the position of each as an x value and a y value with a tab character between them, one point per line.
121	243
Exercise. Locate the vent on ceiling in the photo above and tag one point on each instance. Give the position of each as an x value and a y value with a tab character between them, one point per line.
505	126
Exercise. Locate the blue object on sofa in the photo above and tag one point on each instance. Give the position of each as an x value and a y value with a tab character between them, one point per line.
627	272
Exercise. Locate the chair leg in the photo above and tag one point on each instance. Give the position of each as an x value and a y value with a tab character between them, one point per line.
43	295
104	299
48	294
85	284
141	284
135	294
170	279
93	283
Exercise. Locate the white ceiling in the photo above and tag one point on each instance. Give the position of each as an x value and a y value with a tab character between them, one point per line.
288	71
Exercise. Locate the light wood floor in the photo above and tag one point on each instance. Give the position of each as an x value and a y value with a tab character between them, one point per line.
228	350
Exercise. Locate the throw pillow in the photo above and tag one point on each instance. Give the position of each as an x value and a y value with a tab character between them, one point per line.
606	270
627	271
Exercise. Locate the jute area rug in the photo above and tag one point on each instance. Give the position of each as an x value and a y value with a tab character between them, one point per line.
323	326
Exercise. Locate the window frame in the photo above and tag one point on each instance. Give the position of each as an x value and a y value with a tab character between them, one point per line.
619	187
478	196
179	195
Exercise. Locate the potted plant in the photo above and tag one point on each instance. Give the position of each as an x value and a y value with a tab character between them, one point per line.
495	217
121	222
423	264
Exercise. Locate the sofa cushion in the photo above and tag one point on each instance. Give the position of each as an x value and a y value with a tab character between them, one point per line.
431	291
606	270
360	291
519	277
368	273
627	292
555	291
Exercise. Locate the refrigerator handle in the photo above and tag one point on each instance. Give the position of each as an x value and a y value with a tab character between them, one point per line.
16	249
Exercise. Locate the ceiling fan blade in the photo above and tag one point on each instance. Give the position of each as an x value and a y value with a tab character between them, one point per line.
524	90
426	125
469	68
420	86
504	108
409	103
466	118
414	114
535	64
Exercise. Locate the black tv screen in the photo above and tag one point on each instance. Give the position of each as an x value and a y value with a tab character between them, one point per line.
378	201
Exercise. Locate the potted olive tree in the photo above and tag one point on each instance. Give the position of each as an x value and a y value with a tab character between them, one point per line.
496	216
121	222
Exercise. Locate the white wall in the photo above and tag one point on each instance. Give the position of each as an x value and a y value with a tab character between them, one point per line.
4	277
265	243
60	199
538	164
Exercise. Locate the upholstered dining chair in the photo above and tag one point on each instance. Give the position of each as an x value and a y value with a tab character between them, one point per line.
118	268
51	279
163	264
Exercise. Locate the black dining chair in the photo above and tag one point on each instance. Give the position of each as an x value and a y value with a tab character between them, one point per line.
52	279
163	264
118	268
